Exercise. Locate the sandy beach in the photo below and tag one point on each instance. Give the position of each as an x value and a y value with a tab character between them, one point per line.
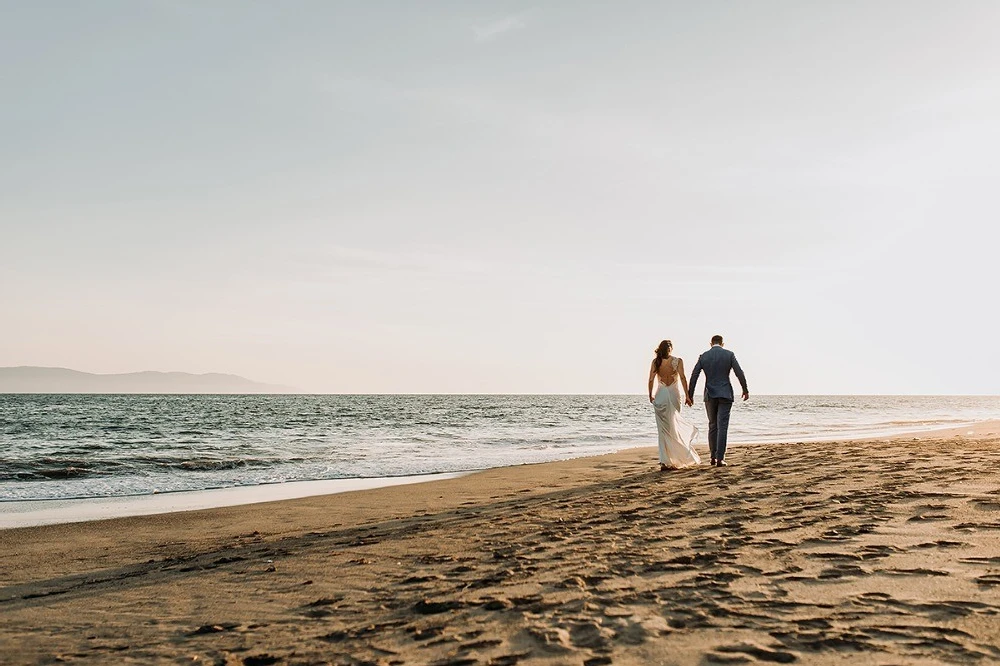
876	552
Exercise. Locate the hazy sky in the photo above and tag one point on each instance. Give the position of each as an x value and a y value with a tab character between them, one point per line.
503	196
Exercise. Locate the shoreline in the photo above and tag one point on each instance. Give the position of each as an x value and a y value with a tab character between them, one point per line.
33	513
38	512
884	550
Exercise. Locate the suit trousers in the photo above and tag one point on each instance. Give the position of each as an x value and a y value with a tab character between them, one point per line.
718	425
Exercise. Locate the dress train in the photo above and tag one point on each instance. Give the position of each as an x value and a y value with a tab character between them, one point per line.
676	434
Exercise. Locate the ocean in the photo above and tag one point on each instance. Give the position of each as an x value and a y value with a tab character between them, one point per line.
90	446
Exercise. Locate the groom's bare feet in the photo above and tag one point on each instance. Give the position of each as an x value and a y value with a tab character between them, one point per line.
714	462
722	463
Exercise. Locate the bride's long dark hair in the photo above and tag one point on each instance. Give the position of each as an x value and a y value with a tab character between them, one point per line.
662	352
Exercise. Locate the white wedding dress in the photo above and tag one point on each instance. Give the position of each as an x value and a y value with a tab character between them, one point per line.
676	435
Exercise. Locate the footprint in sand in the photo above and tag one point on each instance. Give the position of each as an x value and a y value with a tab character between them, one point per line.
989	580
977	526
942	543
842	571
759	652
874	552
925	517
988	561
913	572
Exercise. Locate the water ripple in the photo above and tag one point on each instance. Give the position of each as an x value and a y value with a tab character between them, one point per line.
61	446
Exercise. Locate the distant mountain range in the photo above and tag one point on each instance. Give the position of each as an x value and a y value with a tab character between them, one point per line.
29	379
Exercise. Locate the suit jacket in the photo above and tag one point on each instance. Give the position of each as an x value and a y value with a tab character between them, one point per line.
716	363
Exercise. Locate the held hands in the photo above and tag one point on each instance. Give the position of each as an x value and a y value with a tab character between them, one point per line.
688	401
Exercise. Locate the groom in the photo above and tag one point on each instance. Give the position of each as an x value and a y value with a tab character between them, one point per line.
717	362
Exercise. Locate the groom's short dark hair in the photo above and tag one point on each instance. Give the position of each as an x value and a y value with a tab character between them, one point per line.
716	339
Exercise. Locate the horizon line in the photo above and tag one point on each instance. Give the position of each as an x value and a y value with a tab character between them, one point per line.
525	394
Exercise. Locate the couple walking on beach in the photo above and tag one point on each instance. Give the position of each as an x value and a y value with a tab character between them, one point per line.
676	435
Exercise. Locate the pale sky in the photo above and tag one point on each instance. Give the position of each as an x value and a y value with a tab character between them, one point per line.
497	197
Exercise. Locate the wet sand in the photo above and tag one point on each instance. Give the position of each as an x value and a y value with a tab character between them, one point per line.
29	513
877	552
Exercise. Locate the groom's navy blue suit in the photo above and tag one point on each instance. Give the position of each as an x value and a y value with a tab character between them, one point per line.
717	363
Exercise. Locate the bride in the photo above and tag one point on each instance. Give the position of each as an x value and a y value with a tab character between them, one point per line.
676	434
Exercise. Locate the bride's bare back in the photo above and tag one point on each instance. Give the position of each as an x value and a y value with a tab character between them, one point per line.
668	370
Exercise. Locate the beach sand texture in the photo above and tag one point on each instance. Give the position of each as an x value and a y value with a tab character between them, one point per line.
874	552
